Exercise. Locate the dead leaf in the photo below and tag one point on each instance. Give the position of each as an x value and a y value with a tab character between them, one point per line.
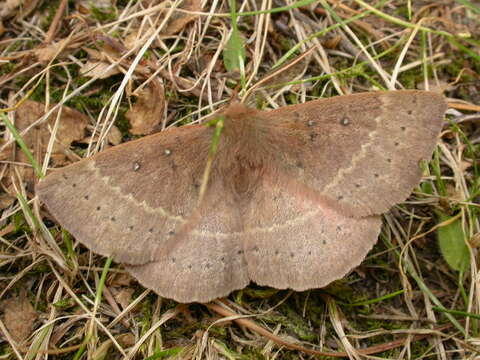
98	62
121	279
180	19
71	128
8	8
147	112
177	21
27	8
11	227
111	46
6	200
18	317
126	340
114	136
49	52
123	296
98	69
475	241
136	37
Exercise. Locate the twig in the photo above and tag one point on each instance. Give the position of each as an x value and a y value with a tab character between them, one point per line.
56	20
277	339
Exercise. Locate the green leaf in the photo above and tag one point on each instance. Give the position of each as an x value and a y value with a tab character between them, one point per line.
451	239
18	138
162	354
234	52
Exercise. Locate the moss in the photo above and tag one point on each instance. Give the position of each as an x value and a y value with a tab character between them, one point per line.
64	303
103	15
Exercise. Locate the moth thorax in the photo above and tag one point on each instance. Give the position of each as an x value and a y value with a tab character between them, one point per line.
245	175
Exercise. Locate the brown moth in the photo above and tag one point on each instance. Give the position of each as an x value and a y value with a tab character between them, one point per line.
293	200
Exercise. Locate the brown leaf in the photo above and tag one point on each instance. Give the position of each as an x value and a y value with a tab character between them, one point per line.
123	296
71	128
176	22
6	200
111	46
179	19
8	8
98	69
49	52
114	136
18	317
27	8
121	279
98	61
147	112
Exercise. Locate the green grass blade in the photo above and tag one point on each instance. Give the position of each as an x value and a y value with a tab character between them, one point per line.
18	138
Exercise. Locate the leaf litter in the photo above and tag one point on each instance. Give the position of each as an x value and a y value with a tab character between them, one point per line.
19	316
71	128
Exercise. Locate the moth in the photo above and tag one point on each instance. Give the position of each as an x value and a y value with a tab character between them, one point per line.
293	200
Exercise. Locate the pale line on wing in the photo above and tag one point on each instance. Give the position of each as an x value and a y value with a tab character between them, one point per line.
358	156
